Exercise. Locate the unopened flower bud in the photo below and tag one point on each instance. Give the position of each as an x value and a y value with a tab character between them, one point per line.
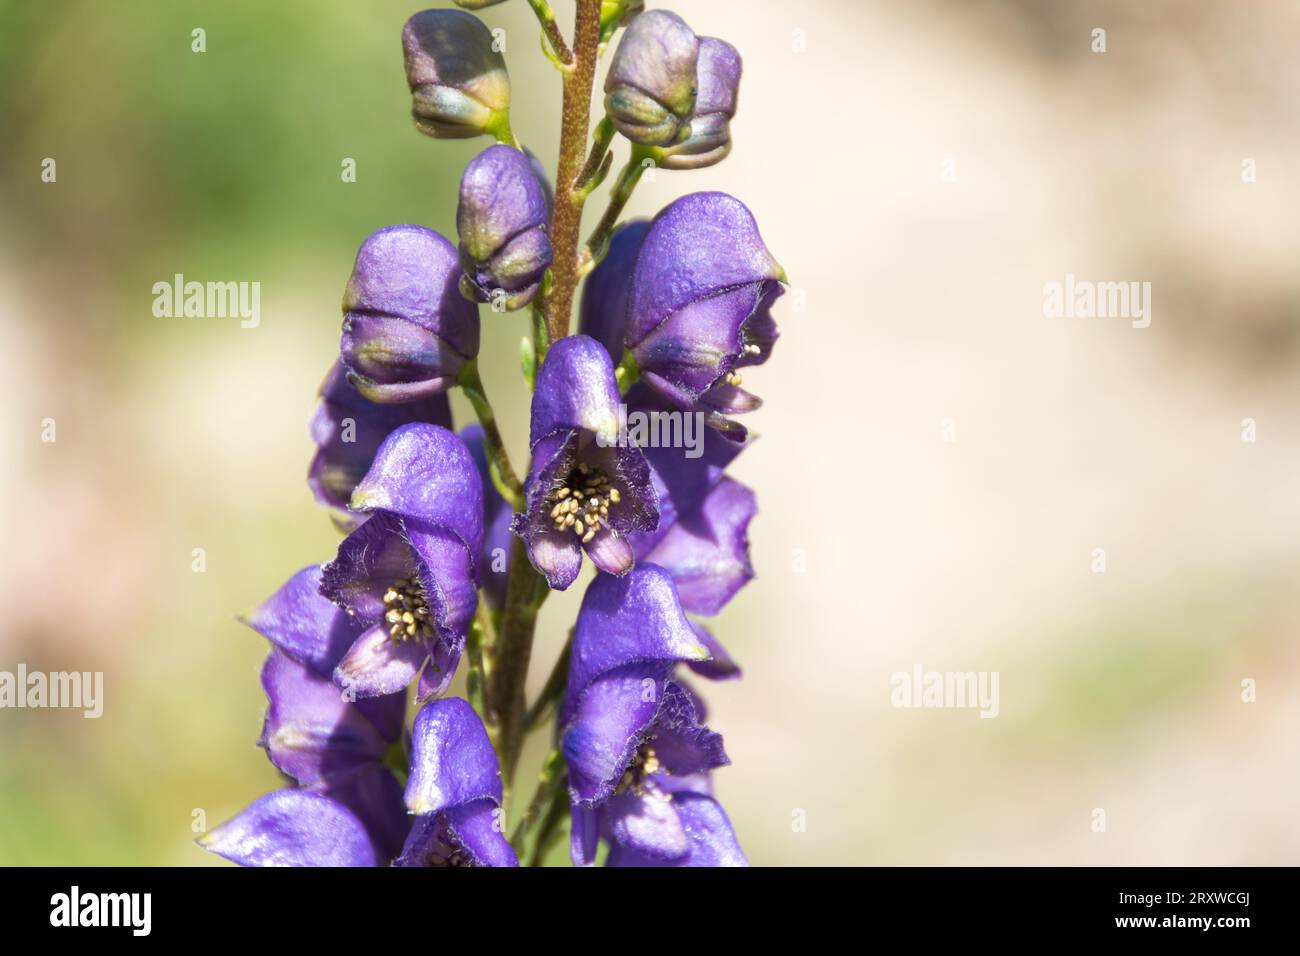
718	80
650	90
406	330
502	222
459	85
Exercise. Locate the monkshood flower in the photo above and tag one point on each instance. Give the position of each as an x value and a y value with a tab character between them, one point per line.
407	330
650	90
700	305
583	491
718	81
408	574
294	828
625	725
502	221
458	80
348	429
454	790
494	559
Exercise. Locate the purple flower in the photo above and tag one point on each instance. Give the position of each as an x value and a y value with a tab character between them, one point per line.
348	430
650	89
627	727
454	790
502	221
458	80
718	81
699	307
407	330
293	828
583	492
408	574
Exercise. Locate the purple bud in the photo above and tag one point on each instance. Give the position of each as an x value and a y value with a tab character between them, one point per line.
407	330
458	79
718	79
650	90
502	222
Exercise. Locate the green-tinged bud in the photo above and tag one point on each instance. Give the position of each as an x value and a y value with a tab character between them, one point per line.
718	82
477	4
650	91
459	85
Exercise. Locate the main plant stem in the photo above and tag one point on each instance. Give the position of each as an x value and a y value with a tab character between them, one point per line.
569	196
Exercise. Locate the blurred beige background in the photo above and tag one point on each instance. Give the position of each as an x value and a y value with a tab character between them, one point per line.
921	169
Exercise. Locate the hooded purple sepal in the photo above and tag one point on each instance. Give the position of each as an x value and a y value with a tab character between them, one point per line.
293	828
585	491
455	791
718	79
603	313
502	222
407	330
408	573
650	89
348	429
458	79
700	304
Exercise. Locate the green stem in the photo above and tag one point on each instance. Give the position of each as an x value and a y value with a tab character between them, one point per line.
552	771
552	691
480	631
550	828
546	17
598	159
628	177
503	474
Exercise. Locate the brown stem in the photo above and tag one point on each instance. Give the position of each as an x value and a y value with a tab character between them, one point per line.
569	198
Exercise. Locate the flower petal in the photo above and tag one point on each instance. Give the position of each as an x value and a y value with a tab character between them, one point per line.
699	246
311	733
425	473
606	726
648	824
707	550
636	618
709	834
293	828
575	389
304	624
452	760
377	665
